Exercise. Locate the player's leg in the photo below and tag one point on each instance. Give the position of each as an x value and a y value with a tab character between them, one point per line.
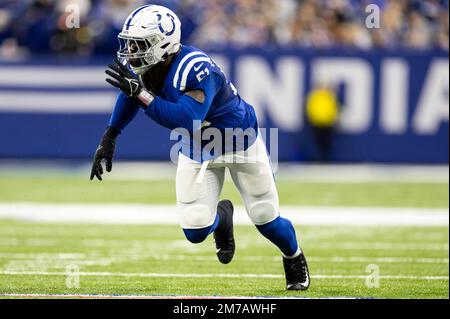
255	182
197	199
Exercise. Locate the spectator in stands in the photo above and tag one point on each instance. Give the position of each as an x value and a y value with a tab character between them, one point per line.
38	25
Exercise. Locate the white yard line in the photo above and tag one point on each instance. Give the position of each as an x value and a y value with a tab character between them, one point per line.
167	214
326	173
304	172
75	258
219	275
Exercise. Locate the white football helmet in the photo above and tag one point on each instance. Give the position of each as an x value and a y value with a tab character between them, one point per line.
150	34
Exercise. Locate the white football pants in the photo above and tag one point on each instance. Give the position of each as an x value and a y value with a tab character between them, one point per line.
198	186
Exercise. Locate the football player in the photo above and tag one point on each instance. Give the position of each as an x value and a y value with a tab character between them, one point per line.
180	87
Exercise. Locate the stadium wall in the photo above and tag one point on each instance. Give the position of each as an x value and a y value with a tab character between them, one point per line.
394	106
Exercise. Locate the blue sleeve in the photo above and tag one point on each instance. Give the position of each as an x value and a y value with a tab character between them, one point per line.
186	110
124	112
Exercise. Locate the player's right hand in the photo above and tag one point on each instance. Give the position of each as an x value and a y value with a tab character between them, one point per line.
104	152
123	79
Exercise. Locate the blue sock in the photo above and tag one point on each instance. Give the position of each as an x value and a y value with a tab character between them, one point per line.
198	235
281	232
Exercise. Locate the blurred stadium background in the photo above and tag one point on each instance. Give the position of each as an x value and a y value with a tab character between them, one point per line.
362	116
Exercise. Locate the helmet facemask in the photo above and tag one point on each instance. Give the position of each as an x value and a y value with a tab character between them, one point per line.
141	54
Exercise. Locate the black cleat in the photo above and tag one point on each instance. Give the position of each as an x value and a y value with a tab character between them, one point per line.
223	235
297	273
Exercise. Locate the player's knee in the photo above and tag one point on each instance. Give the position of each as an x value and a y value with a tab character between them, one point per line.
257	185
196	216
262	212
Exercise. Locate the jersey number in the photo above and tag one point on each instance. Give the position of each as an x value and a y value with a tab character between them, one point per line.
202	74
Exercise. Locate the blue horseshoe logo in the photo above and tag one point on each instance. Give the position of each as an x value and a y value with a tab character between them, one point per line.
160	25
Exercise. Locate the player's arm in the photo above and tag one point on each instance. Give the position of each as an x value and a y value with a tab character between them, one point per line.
191	106
197	95
182	114
124	112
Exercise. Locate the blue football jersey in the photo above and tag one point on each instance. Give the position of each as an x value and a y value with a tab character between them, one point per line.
223	108
193	69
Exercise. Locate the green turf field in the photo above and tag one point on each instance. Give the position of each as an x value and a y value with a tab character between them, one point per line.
157	260
63	190
115	251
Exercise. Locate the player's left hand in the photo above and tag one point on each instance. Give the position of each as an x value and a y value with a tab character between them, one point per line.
123	79
104	152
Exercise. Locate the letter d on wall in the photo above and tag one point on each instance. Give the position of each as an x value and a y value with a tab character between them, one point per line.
357	76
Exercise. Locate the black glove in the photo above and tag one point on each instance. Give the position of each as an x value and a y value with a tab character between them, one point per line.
123	79
105	151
